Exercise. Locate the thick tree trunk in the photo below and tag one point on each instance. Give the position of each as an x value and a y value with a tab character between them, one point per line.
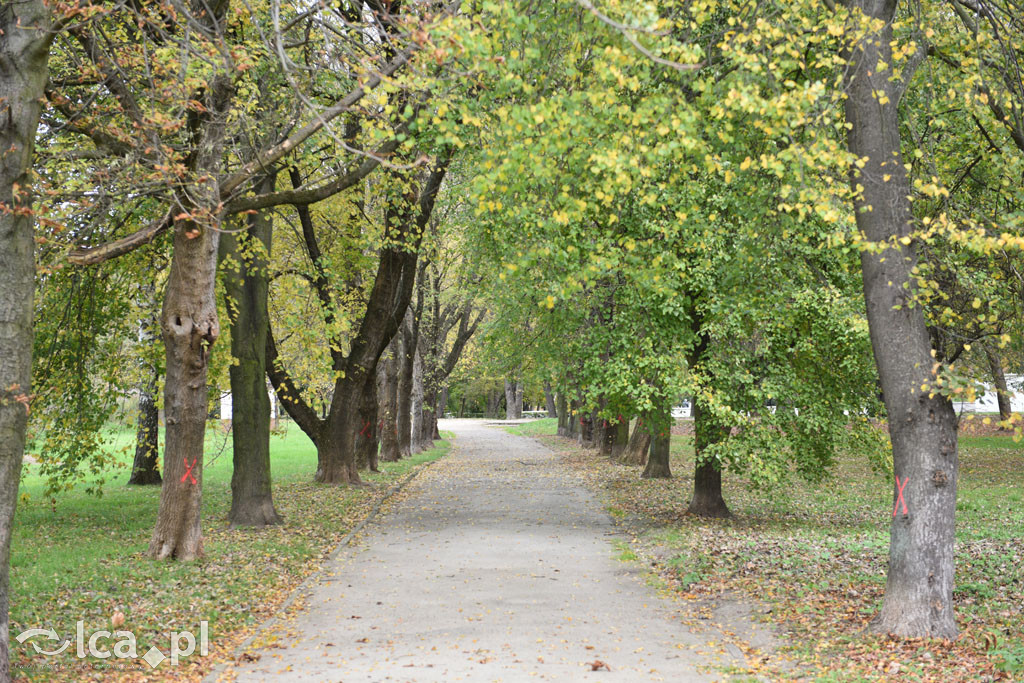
549	400
190	327
639	443
387	386
707	498
367	443
145	468
563	416
494	400
615	438
387	302
999	381
403	418
513	400
658	458
918	598
24	49
587	430
244	258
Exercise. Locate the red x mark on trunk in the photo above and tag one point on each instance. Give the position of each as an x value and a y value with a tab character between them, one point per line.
188	470
899	496
362	432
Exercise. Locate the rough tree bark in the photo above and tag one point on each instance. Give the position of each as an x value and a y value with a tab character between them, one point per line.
615	438
24	50
639	443
145	467
707	500
336	436
403	418
145	470
658	458
244	258
387	388
563	415
190	327
367	442
995	366
418	444
513	399
549	400
918	598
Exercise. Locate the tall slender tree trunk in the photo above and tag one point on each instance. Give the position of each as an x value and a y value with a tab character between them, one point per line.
387	387
403	417
918	598
999	381
24	49
190	327
639	443
145	469
707	498
418	443
244	259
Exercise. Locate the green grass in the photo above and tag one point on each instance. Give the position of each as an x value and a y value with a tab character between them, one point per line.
816	553
540	427
84	557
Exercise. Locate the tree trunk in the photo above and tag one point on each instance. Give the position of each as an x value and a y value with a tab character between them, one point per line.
1002	391
513	400
145	470
639	443
563	416
918	598
707	498
403	418
658	459
190	328
418	443
615	439
428	423
390	450
366	443
587	430
494	399
549	400
244	258
24	49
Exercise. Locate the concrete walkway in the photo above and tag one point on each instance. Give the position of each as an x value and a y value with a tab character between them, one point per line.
495	564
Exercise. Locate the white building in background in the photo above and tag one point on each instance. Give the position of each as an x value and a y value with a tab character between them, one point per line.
226	414
987	403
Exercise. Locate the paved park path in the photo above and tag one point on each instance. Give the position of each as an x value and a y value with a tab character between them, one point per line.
495	564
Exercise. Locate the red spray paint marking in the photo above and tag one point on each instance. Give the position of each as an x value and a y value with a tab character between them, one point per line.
899	495
362	432
188	470
380	425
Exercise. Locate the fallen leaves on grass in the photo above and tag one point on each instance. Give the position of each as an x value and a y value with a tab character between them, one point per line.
816	556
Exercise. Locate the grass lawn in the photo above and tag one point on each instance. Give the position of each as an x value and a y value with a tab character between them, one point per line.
816	554
83	559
